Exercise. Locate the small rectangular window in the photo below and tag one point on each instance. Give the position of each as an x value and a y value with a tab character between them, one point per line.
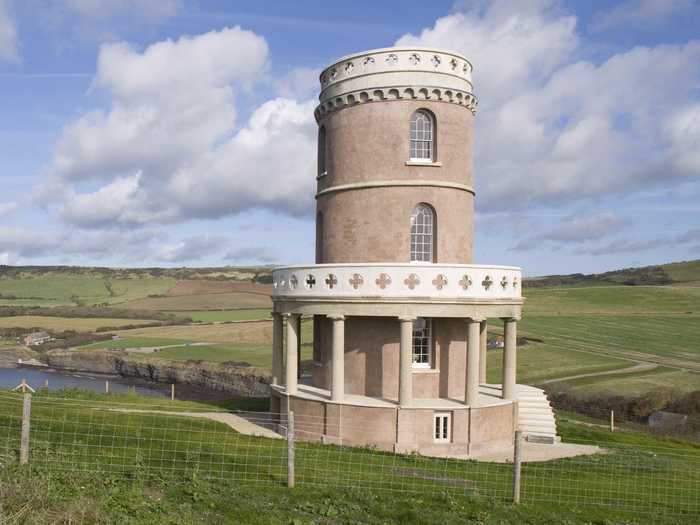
442	427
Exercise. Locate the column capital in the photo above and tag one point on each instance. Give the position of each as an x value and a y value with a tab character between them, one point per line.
407	318
470	320
288	315
336	317
506	319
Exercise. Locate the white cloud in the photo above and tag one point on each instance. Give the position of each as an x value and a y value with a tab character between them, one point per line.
168	149
252	254
574	229
192	248
299	83
8	208
8	34
555	129
640	13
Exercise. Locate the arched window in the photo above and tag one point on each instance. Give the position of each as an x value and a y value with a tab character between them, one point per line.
422	136
322	150
422	233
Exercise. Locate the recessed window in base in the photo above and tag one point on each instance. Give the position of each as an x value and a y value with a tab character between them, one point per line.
442	427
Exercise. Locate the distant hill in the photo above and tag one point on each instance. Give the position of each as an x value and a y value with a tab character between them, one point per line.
261	274
671	273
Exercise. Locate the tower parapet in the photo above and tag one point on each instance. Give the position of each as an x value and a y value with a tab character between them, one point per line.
396	74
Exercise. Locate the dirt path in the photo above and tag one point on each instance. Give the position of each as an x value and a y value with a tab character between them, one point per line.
639	367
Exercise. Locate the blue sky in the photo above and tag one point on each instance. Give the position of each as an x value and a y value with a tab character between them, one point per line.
179	132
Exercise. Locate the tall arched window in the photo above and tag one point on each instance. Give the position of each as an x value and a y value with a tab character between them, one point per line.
322	150
422	233
422	136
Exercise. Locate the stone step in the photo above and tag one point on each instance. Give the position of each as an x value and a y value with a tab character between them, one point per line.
537	438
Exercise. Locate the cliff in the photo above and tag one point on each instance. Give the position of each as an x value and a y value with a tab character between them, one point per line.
236	380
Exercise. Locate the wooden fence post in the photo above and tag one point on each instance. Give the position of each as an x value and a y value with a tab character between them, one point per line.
612	421
517	460
24	441
290	449
106	387
172	392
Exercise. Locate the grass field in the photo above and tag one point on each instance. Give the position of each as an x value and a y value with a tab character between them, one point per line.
227	315
89	464
218	301
61	290
59	324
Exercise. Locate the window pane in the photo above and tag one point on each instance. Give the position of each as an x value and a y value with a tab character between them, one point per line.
422	343
422	233
421	136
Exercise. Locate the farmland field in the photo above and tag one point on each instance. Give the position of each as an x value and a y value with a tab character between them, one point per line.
59	324
216	301
62	290
221	316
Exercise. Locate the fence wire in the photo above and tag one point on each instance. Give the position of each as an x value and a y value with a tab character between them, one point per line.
70	435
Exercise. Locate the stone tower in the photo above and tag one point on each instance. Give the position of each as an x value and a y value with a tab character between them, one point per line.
399	310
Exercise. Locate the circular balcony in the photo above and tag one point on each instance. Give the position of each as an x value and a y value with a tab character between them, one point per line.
461	283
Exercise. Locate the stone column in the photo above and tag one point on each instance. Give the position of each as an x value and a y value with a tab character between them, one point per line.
509	358
292	352
338	359
472	384
483	344
277	348
298	347
406	361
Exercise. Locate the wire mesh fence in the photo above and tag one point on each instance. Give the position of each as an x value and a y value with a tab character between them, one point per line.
136	440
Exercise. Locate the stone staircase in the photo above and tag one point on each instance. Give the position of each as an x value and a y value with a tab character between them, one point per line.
535	413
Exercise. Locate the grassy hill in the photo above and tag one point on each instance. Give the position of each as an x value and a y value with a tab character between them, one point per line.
678	272
102	459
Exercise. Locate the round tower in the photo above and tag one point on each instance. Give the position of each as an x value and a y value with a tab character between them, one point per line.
399	311
394	146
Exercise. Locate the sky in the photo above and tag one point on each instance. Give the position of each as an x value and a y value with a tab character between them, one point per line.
181	132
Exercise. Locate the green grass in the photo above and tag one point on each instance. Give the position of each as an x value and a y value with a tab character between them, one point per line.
670	339
58	290
227	315
133	342
612	300
90	464
253	354
538	362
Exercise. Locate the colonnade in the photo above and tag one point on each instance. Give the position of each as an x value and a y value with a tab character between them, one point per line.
286	371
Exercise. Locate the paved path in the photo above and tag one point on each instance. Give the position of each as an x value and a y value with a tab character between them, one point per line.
640	367
237	423
539	452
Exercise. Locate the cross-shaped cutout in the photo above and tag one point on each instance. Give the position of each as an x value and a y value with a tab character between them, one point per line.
293	282
331	281
440	281
412	281
310	281
515	282
383	281
486	283
465	282
504	282
356	281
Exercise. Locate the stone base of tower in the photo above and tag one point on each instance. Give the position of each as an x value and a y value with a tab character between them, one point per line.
381	424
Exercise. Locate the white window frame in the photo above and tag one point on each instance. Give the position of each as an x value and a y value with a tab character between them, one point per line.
425	342
421	147
442	427
422	233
